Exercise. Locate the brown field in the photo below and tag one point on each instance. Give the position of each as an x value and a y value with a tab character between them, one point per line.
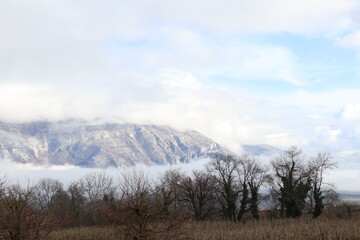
277	229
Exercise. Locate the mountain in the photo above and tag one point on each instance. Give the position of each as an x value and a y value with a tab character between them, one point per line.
261	150
350	197
103	145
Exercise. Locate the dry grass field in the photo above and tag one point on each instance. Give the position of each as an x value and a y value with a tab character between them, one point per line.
85	233
278	229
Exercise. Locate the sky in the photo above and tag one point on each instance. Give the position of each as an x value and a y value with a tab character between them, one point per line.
277	72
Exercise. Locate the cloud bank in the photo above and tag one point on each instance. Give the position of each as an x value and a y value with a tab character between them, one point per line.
237	71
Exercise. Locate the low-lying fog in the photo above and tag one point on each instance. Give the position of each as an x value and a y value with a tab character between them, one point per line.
30	174
345	177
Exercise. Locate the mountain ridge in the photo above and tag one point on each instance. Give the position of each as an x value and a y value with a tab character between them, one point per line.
101	145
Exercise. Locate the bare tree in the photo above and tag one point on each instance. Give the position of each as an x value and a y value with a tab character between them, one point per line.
77	200
96	186
244	171
349	206
20	218
143	212
271	202
292	176
331	197
332	201
224	168
169	188
319	165
251	175
258	176
3	181
46	190
199	194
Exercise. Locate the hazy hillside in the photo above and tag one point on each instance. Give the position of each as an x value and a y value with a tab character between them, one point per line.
78	143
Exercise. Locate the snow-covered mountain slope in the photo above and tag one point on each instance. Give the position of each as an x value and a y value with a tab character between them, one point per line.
78	143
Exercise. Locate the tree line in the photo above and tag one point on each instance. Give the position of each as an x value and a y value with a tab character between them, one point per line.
229	188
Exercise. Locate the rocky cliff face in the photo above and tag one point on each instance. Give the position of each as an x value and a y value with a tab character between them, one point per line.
101	145
81	144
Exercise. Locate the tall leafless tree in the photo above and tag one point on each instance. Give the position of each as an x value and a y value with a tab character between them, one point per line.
96	186
199	194
251	175
77	200
46	189
225	169
20	216
319	165
142	212
169	188
292	176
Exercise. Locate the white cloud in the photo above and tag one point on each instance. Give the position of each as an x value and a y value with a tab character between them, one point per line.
267	62
315	116
283	139
345	177
33	102
177	79
327	134
26	174
351	40
133	19
66	45
69	41
305	17
149	62
351	112
227	115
